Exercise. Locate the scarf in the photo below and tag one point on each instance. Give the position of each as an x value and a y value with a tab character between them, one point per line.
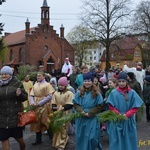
4	82
124	91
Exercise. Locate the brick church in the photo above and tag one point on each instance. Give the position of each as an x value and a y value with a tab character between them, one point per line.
39	45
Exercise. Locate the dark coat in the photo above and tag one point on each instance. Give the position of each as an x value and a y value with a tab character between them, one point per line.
10	103
72	81
135	86
146	92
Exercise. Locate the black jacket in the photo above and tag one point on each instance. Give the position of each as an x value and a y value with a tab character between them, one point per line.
10	103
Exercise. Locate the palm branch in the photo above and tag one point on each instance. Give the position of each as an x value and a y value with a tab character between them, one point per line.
58	121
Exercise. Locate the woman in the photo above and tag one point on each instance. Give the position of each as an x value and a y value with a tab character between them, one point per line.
88	101
40	96
124	101
12	94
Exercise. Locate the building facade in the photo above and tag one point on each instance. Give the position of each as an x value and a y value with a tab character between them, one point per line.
39	45
127	49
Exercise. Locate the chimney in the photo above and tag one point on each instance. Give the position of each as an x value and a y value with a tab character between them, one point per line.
27	25
62	31
6	33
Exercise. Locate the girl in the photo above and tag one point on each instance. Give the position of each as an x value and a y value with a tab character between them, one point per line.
88	101
40	96
62	100
96	82
124	101
112	84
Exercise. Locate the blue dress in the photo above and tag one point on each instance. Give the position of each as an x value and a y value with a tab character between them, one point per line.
123	135
87	129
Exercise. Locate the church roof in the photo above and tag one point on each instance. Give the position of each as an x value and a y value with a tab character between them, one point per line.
16	37
45	3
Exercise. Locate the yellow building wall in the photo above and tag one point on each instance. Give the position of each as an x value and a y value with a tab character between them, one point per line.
131	63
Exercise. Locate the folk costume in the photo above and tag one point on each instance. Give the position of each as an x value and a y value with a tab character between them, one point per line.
40	95
27	84
87	128
62	99
124	101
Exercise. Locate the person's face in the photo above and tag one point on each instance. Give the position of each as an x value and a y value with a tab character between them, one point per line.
111	84
122	83
67	61
95	81
128	78
41	69
61	87
53	84
40	77
87	83
5	76
84	71
74	70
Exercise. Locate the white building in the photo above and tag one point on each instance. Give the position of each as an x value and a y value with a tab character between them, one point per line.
93	56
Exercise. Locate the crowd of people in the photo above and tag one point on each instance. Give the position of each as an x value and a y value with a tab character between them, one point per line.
78	89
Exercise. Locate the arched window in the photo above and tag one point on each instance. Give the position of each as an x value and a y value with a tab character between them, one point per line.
20	55
47	15
11	55
42	14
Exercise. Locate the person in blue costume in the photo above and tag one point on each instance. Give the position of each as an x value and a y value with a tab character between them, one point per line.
79	78
88	101
124	101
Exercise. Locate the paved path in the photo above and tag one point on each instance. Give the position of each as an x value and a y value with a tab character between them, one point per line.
143	130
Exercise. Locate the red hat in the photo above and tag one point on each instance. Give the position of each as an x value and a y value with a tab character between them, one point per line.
63	81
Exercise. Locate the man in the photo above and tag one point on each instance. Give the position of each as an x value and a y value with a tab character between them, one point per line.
67	68
138	71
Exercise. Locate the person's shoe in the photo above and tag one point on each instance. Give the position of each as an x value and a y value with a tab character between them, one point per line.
37	142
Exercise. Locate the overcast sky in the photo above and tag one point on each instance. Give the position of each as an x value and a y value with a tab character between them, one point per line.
15	12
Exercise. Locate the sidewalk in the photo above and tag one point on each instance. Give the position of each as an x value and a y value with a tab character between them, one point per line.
143	130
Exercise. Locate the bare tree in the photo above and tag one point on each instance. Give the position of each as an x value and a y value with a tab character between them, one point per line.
141	26
108	20
141	20
1	24
81	38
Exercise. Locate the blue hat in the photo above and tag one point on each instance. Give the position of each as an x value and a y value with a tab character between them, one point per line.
122	75
6	70
147	78
88	76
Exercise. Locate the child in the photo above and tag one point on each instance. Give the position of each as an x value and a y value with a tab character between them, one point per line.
112	84
88	101
40	95
96	82
27	84
146	96
53	82
124	101
62	100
